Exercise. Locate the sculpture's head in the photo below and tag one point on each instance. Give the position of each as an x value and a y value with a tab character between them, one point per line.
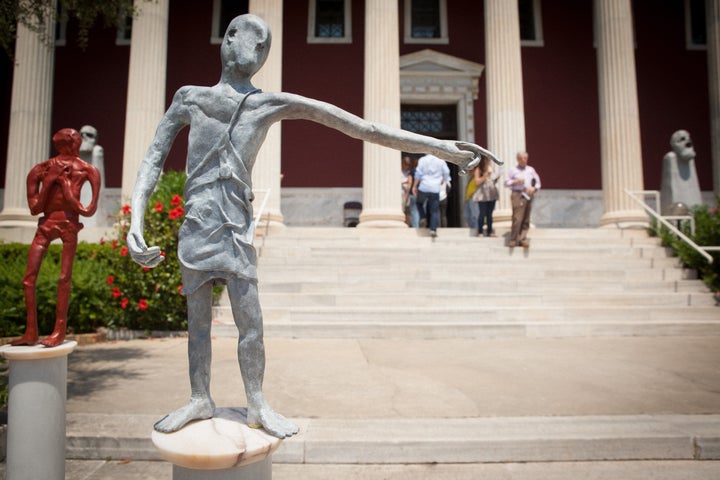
682	145
88	133
67	141
245	46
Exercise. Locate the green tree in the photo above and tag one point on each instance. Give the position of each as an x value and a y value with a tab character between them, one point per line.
33	15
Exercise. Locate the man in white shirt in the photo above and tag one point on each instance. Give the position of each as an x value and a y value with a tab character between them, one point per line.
431	175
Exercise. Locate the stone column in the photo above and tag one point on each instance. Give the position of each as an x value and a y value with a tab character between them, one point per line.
382	198
266	172
505	108
146	86
712	17
29	137
619	118
36	411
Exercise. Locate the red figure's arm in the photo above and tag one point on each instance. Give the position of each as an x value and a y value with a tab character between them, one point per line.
37	197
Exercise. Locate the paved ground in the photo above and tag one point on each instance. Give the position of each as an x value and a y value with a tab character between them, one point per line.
652	470
355	380
428	379
381	378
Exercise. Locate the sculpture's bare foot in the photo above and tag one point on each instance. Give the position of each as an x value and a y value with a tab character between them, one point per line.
54	339
196	409
274	423
27	339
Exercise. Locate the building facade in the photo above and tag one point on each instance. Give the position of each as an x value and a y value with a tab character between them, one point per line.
592	89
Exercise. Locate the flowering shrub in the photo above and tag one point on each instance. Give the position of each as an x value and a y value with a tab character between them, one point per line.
707	233
142	298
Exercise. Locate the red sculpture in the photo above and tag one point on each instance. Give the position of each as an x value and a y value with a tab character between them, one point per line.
53	188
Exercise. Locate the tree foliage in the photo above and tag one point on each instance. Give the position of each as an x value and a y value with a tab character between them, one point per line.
33	14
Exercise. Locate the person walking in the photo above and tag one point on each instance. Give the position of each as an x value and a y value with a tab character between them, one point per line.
412	217
431	175
524	182
486	195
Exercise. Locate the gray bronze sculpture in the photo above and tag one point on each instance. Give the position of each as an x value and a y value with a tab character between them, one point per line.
680	183
93	154
228	123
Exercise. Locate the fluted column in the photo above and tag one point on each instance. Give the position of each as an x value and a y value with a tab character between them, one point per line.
29	137
619	118
266	172
382	199
505	108
146	86
712	16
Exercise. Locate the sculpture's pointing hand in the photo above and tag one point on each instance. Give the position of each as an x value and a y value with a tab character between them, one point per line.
478	151
139	251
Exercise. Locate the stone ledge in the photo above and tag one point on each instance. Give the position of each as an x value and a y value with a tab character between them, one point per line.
453	440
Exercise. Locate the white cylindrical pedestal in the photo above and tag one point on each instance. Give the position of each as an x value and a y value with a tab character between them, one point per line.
220	448
36	411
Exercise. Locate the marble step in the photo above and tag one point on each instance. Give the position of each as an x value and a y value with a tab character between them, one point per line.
422	440
486	298
604	282
479	322
349	274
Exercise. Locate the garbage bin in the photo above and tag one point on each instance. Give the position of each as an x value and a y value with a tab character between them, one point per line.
351	214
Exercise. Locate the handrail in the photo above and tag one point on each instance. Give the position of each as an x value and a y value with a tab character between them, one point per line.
701	250
259	213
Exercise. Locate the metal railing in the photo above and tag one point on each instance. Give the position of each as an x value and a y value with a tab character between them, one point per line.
664	219
258	214
256	220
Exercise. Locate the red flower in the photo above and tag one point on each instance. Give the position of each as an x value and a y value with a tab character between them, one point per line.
159	207
142	304
114	244
176	212
124	303
176	200
110	279
125	209
146	269
116	292
124	251
179	288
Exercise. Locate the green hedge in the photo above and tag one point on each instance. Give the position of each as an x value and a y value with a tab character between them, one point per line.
707	233
87	296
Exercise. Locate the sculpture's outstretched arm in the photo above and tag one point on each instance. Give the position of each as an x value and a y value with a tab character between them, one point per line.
464	154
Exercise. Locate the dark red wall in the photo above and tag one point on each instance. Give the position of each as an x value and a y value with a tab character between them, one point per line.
314	155
672	88
562	129
91	89
6	75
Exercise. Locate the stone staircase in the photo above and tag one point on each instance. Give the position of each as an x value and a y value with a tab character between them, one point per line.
388	283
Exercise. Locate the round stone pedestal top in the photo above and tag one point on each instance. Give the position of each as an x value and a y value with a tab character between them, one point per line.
224	441
37	352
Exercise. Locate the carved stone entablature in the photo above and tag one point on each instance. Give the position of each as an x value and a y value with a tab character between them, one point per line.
427	68
432	77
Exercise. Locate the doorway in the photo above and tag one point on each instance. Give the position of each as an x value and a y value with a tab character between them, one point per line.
439	121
